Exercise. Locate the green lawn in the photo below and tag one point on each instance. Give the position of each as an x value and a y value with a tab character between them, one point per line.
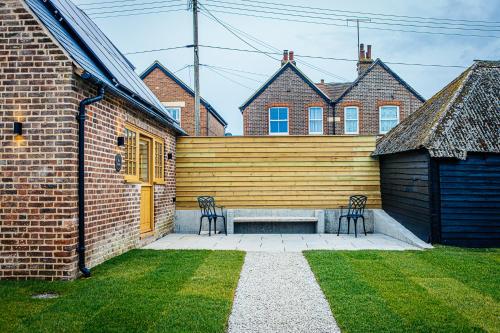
142	290
441	290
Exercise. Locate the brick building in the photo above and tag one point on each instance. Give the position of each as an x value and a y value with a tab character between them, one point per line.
178	98
371	105
72	109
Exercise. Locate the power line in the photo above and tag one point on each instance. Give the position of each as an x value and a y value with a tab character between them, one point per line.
329	23
129	10
229	79
238	70
234	34
302	12
269	46
157	50
377	14
232	73
130	5
297	55
138	14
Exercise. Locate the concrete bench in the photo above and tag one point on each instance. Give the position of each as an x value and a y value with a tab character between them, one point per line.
275	221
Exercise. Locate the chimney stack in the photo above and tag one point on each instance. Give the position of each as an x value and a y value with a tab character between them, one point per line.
365	59
285	57
291	57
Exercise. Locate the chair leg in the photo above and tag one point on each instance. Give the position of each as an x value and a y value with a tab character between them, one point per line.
364	228
215	226
338	230
348	225
201	221
209	226
355	227
225	228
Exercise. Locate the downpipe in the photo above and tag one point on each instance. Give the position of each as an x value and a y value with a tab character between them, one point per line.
82	113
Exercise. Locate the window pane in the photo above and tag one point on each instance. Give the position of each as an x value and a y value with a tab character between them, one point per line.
283	114
283	126
388	112
274	114
387	125
315	113
351	113
351	126
143	160
274	127
315	126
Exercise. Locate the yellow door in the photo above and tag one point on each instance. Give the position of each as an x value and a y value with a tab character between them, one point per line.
145	163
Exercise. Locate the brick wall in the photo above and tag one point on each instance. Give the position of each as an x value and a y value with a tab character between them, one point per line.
167	90
376	89
291	91
38	172
38	207
113	205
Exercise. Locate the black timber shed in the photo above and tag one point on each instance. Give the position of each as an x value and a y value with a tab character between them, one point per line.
440	167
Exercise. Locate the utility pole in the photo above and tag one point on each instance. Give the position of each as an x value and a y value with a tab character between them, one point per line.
197	129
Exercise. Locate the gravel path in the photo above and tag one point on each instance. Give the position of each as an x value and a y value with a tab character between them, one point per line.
278	292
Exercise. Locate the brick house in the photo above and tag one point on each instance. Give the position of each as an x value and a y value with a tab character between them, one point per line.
71	108
371	105
178	98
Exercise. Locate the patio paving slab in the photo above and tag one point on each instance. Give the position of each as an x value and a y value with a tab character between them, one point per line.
277	292
279	242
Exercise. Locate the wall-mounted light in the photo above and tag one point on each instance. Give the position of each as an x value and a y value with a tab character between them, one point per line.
120	141
18	128
169	156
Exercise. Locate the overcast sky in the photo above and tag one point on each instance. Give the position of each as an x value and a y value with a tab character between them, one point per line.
172	29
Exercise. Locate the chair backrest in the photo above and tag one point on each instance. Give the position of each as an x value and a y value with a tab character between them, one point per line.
357	204
207	205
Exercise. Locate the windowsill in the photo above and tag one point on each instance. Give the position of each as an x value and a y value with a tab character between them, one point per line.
159	182
314	133
278	134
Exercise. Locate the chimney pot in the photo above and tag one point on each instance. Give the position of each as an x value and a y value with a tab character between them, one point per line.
368	51
322	81
285	57
361	51
291	57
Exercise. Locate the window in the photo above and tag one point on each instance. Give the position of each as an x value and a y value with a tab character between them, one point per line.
175	113
138	146
130	153
278	121
389	117
316	120
159	161
351	120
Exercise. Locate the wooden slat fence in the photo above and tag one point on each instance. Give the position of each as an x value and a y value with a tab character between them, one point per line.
276	171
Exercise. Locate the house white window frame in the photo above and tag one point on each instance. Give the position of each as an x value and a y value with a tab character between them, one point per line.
380	117
357	119
287	120
309	119
179	110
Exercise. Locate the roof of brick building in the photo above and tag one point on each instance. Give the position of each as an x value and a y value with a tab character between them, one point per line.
183	85
463	117
285	66
97	56
337	90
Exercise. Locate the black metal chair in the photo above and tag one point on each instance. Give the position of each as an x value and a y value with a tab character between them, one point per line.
355	210
209	210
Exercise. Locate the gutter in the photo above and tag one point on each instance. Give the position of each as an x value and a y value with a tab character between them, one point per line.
81	178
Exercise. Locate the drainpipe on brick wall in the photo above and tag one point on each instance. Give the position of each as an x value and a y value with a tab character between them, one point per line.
81	178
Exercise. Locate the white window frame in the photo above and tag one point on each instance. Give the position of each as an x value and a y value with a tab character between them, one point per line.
380	117
287	120
309	119
357	119
178	108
